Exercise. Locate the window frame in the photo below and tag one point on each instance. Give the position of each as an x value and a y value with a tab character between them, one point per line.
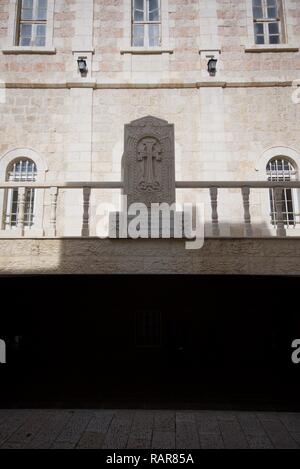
266	21
10	200
6	161
146	23
288	43
281	174
33	22
11	47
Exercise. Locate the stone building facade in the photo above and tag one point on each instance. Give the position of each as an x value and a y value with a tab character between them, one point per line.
229	125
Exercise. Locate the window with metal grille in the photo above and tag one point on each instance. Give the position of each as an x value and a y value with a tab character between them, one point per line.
268	21
146	23
281	170
32	23
21	171
148	329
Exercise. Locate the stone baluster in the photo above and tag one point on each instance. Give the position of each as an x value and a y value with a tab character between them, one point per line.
21	210
214	206
53	213
278	195
86	212
247	215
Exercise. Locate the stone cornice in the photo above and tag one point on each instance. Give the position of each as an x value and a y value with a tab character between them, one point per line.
95	85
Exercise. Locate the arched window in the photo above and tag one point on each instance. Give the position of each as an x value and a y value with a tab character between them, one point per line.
21	170
280	169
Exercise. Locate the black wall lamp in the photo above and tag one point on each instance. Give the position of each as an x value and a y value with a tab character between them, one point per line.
212	67
82	66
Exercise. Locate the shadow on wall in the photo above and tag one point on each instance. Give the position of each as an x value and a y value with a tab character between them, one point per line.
223	256
74	255
149	342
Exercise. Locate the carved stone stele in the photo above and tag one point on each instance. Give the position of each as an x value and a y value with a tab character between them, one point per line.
148	164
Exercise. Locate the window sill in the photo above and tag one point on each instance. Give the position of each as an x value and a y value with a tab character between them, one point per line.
146	51
271	48
29	50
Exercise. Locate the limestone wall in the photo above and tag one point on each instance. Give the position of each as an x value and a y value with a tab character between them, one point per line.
224	125
94	256
188	27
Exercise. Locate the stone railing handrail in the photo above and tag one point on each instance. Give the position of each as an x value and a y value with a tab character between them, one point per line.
213	187
179	185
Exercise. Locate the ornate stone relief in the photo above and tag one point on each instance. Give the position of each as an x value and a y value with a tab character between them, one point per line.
149	161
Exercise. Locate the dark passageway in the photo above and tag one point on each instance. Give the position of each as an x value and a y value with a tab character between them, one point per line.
154	342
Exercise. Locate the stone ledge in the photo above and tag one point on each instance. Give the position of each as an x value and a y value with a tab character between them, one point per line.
266	48
29	50
240	256
146	51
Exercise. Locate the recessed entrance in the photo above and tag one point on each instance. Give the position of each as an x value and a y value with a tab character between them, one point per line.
142	341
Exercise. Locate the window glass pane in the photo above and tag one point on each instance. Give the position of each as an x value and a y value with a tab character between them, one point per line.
153	10
40	41
138	15
27	14
26	30
259	40
274	39
257	3
34	11
27	10
25	41
259	28
272	13
24	170
138	11
12	216
41	15
139	4
259	33
27	4
273	28
25	34
138	35
258	13
42	4
41	30
154	36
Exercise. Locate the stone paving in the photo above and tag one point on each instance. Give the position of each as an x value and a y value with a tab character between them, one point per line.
121	429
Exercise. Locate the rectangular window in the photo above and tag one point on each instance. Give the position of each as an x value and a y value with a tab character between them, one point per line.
268	21
32	23
146	23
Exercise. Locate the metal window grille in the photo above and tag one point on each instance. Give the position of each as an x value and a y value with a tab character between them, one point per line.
21	171
32	23
146	23
267	16
281	170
